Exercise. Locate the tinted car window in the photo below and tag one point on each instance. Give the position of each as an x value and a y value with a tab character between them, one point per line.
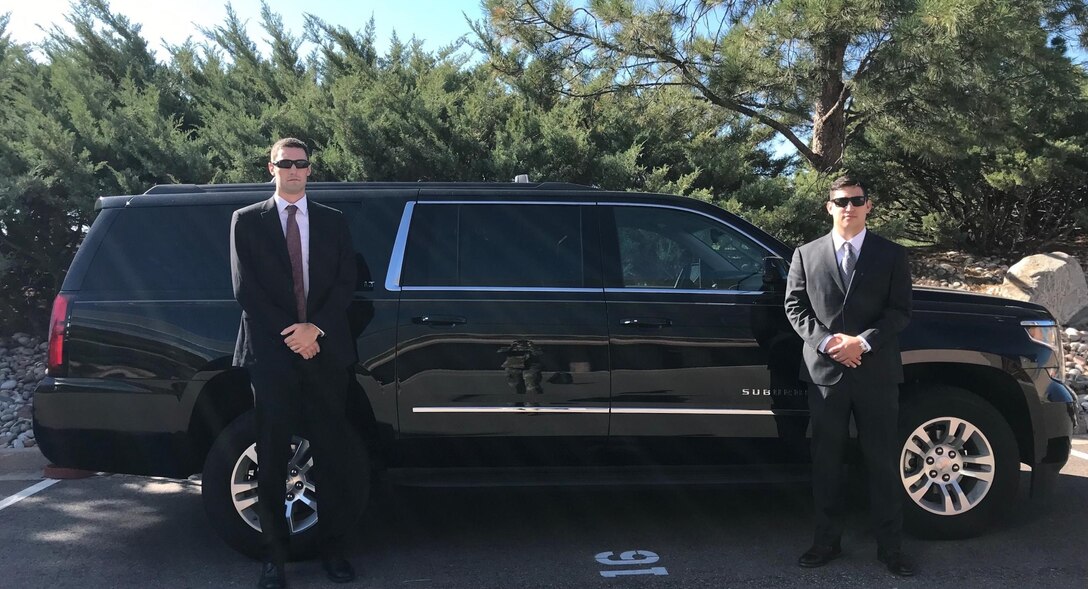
500	245
372	231
668	248
158	249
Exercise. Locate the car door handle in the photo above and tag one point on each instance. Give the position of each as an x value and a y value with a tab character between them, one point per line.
646	322
439	320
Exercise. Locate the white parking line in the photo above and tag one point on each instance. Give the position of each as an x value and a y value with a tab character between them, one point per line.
27	492
1079	454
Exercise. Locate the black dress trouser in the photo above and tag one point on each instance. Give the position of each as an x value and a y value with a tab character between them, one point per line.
306	397
875	410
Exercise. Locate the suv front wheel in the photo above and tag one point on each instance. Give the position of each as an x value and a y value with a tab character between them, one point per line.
958	463
229	491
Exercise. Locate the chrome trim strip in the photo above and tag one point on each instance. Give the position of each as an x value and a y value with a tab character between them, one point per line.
505	202
708	216
152	301
654	411
605	410
681	290
579	410
1039	323
396	260
89	301
177	301
501	289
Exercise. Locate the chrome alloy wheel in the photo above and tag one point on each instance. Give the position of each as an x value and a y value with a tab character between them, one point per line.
300	500
947	466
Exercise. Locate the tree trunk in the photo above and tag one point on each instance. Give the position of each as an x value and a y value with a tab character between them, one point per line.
829	109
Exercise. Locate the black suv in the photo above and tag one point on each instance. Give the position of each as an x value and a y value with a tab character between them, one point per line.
520	334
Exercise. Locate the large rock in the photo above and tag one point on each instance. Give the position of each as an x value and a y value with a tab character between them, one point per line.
1054	280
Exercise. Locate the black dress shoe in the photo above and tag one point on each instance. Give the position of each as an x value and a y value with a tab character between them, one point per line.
897	564
818	556
338	569
272	576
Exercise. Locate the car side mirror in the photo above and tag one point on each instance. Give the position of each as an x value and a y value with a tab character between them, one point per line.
775	270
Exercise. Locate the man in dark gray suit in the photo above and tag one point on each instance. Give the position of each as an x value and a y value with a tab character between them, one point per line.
849	296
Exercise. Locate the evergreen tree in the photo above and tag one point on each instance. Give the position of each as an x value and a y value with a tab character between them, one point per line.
100	117
814	71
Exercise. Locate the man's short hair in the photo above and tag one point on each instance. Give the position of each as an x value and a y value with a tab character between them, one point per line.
847	180
289	142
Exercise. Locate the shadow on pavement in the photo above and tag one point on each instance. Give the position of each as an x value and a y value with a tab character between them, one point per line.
119	531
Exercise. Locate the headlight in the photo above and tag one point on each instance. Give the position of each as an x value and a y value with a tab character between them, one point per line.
1047	333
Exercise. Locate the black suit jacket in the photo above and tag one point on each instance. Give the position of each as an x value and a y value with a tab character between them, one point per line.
261	272
877	307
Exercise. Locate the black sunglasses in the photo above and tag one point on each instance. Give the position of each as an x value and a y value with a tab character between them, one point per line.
285	164
857	201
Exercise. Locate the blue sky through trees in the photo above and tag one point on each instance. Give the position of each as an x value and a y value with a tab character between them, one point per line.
435	22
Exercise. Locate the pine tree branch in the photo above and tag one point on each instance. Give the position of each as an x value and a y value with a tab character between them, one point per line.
684	67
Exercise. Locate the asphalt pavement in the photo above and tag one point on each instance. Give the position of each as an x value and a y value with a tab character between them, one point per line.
125	531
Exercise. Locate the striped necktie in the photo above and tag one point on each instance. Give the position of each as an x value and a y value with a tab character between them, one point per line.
848	261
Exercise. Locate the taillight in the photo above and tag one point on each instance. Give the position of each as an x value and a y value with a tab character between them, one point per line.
58	325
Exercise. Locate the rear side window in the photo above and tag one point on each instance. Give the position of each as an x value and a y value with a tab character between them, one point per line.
495	245
164	249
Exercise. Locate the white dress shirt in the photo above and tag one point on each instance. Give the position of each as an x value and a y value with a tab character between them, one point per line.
855	243
840	251
302	218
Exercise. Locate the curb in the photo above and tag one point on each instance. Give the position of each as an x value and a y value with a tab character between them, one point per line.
21	463
52	471
21	456
27	463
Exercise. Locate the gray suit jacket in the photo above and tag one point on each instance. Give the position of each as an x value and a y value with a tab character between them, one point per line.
876	307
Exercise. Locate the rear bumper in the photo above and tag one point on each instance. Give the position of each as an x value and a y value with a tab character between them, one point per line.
103	426
161	455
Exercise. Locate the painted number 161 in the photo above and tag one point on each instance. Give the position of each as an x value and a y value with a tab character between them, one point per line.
630	558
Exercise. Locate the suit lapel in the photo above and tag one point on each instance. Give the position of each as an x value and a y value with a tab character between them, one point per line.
316	226
828	253
870	250
271	218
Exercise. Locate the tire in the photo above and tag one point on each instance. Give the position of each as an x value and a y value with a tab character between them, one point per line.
959	463
229	491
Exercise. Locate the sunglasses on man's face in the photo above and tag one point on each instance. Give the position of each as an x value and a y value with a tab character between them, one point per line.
285	164
857	201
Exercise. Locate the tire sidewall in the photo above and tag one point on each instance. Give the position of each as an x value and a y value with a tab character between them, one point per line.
235	439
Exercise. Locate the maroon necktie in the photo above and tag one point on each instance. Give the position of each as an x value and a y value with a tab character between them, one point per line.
294	249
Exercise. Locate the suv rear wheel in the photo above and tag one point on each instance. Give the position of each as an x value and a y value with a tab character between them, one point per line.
229	490
958	463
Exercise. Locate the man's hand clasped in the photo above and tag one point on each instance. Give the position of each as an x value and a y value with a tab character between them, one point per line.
302	339
845	349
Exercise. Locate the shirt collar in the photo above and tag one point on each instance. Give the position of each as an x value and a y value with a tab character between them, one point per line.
281	204
854	243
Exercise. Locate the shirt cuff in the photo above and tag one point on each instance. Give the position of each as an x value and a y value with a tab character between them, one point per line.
823	344
865	344
321	332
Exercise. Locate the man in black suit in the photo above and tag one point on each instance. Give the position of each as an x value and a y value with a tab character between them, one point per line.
293	267
849	295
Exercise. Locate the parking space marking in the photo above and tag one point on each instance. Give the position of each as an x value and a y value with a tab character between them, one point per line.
1079	454
27	492
631	558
